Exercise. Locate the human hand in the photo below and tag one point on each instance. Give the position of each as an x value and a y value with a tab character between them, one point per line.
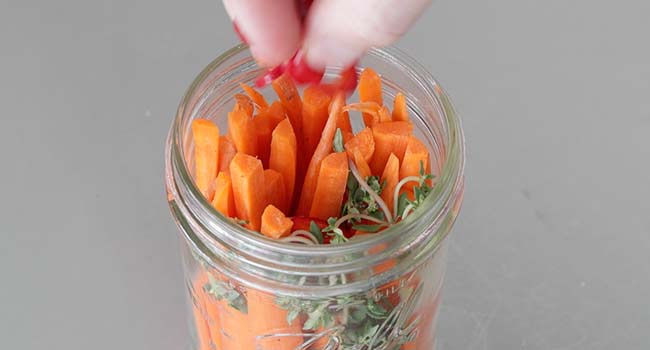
334	33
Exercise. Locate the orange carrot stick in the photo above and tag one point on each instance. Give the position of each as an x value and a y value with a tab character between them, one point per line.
362	165
384	115
271	319
343	122
364	142
416	154
247	177
330	188
391	137
274	223
290	97
391	177
276	190
237	332
211	309
226	152
283	156
255	95
244	103
265	121
322	150
224	201
201	325
400	111
370	90
206	154
315	102
242	132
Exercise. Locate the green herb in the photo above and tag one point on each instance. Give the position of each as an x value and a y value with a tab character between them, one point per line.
335	233
316	231
223	291
369	228
361	202
420	192
240	222
337	145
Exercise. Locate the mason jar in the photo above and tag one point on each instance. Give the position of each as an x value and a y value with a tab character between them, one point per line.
378	291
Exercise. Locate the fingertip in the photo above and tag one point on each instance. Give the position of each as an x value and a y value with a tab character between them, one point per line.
271	28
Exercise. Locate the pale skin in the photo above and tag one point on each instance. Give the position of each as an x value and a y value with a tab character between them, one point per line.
335	33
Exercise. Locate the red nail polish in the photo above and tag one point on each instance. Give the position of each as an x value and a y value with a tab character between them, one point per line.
302	73
348	79
270	75
239	33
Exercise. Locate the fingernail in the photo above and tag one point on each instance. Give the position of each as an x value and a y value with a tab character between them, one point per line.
302	73
326	53
270	75
239	33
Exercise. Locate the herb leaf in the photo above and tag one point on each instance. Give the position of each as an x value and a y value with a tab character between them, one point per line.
335	233
315	230
223	291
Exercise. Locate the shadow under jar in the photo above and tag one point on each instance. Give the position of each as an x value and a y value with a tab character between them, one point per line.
380	292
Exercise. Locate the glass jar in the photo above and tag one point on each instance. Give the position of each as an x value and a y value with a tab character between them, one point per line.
382	291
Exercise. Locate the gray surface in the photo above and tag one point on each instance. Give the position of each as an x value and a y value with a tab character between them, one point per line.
552	248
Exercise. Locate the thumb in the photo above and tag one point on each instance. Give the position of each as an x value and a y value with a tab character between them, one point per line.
340	31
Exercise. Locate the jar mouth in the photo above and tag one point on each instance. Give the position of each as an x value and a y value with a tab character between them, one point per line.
216	231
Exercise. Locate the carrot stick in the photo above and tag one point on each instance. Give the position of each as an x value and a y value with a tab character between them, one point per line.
416	154
315	102
257	98
283	156
391	177
290	98
226	152
237	332
211	309
362	165
265	121
223	200
247	177
244	103
242	132
364	142
391	137
201	325
274	223
384	115
330	187
370	91
343	122
271	319
400	112
276	190
322	150
206	154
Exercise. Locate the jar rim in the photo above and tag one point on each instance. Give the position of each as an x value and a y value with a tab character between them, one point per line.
430	214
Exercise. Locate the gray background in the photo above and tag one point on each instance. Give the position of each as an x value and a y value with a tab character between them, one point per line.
551	250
